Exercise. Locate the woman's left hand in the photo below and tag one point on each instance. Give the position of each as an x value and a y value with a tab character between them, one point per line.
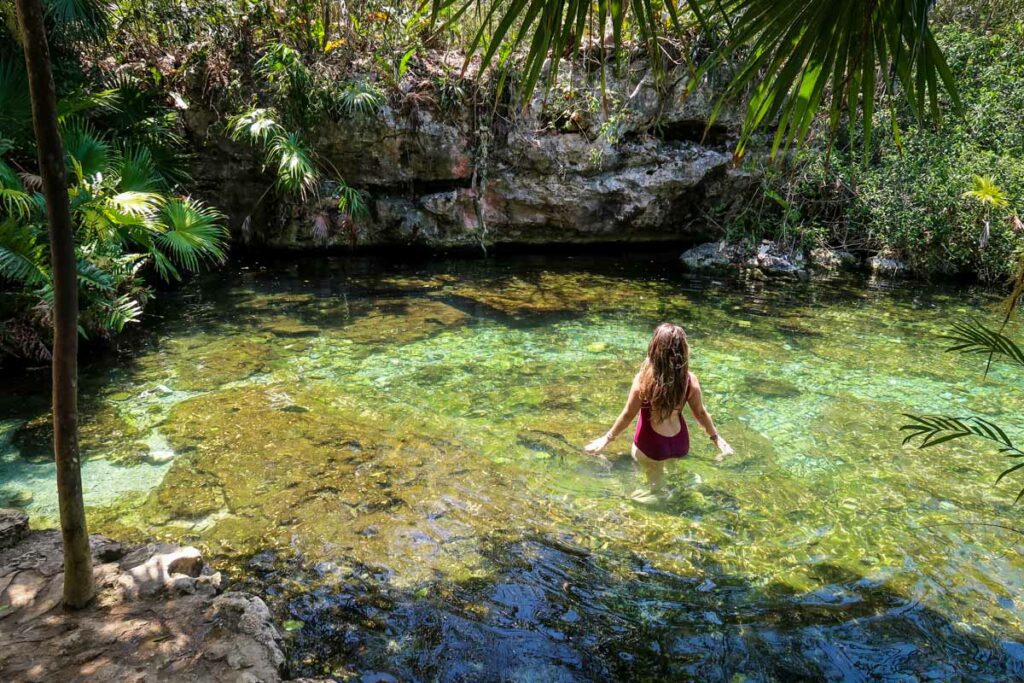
724	449
597	445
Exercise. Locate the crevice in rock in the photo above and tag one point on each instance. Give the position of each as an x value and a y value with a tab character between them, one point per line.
418	187
692	130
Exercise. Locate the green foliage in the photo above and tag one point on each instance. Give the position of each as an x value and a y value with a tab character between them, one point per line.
795	56
360	98
987	193
123	158
299	100
917	197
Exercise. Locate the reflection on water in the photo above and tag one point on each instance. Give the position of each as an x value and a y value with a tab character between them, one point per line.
391	455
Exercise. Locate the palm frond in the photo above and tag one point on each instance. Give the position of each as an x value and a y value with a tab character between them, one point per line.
257	125
120	311
15	104
795	57
76	103
136	204
936	429
79	18
973	337
351	201
137	171
86	149
192	232
23	256
360	98
295	171
805	55
13	198
986	192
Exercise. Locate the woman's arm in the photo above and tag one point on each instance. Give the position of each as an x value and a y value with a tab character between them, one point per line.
629	412
703	417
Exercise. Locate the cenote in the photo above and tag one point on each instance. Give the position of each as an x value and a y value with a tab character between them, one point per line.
390	453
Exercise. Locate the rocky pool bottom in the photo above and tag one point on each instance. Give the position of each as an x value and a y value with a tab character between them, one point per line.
389	455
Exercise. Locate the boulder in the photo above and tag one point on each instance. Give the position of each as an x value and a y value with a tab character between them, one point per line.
775	260
713	257
165	568
13	527
246	615
827	258
886	263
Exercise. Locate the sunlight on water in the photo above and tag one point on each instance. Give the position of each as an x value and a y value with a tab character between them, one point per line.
392	456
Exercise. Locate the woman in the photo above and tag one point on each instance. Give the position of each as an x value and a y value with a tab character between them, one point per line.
659	391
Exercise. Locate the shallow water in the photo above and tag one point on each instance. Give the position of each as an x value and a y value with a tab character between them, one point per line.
390	453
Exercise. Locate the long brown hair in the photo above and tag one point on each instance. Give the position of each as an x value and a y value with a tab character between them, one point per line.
665	373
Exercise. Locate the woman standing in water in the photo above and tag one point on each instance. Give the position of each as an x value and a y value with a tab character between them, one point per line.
660	389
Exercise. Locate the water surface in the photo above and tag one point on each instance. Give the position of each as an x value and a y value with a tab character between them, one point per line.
390	454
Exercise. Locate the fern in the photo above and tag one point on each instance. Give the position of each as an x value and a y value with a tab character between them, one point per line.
23	256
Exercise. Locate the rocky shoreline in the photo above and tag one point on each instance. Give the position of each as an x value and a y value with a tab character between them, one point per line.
160	614
768	259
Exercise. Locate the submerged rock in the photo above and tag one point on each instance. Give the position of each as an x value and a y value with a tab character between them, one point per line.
16	497
103	433
773	388
205	362
400	321
290	328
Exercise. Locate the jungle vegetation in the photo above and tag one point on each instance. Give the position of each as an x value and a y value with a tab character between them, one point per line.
851	111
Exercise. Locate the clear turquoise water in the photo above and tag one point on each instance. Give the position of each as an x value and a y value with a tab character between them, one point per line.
390	453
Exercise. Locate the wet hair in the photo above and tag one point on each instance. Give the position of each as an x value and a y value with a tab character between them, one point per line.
664	374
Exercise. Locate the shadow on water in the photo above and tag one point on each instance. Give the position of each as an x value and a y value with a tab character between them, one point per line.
549	611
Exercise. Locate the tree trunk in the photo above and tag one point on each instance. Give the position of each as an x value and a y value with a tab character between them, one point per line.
78	581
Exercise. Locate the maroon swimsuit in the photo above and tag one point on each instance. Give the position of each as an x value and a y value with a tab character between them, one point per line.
657	446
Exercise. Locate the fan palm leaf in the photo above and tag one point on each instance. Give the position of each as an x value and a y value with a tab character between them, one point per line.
79	18
295	170
137	171
986	192
86	150
15	105
191	232
257	125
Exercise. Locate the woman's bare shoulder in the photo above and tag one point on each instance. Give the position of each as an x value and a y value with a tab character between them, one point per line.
694	382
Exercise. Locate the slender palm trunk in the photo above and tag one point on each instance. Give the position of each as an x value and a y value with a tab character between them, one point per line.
78	581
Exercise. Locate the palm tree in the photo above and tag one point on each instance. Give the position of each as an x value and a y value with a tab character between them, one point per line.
78	581
990	196
794	57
